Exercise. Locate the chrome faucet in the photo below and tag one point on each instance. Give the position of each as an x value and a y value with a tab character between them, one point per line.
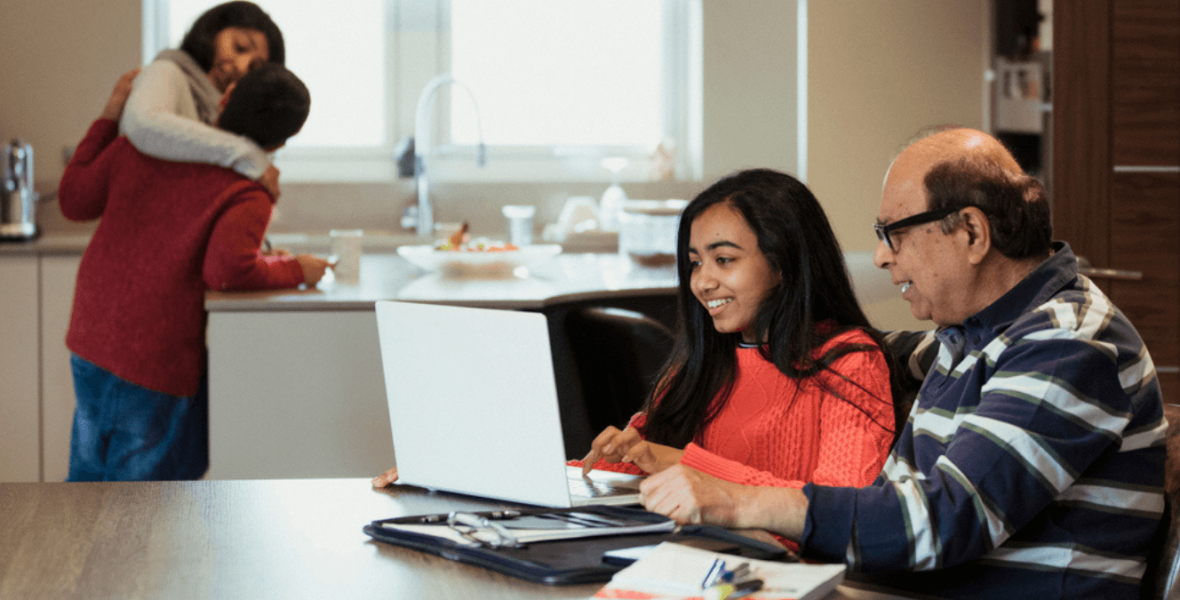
424	221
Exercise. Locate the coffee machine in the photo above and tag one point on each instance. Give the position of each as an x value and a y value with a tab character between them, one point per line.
18	216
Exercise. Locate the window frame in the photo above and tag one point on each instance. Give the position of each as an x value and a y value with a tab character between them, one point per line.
452	162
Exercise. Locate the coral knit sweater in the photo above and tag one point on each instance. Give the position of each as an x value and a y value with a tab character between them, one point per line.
781	432
169	231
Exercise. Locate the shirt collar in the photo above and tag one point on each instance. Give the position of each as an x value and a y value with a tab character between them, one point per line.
1050	277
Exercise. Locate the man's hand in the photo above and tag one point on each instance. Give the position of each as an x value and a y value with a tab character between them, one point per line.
270	180
611	445
690	496
118	99
385	479
313	268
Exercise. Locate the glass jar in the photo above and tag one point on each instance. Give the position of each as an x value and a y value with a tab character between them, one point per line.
647	231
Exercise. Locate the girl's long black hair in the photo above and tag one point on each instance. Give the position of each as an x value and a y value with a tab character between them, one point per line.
794	234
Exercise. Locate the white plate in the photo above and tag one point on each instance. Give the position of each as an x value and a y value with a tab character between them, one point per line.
474	262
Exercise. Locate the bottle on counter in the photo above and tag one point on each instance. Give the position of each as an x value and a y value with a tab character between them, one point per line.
611	206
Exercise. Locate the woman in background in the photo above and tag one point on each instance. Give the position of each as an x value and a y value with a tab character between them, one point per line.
177	97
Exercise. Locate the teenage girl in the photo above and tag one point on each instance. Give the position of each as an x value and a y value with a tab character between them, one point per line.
777	378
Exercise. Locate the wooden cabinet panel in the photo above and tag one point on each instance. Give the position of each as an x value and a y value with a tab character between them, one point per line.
1145	236
1145	77
1081	135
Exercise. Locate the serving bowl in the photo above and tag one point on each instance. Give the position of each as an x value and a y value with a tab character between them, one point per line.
479	263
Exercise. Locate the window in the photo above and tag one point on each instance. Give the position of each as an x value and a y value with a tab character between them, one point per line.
558	85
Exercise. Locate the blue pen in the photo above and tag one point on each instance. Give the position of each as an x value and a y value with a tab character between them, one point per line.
715	572
737	574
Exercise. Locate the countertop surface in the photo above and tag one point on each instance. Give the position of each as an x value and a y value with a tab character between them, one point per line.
563	278
569	276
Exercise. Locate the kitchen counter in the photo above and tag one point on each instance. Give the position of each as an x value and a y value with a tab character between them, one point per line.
564	278
54	243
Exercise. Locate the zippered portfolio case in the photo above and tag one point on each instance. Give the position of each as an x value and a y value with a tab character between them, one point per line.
575	560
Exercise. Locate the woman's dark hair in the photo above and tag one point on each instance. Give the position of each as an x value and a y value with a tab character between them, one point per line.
198	42
268	105
1016	205
794	234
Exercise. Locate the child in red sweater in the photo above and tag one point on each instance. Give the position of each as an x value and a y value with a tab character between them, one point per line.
777	379
169	231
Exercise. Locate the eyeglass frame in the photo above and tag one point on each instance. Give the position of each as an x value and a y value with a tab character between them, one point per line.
921	218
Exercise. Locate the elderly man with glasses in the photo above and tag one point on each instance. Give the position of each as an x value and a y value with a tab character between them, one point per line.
1032	464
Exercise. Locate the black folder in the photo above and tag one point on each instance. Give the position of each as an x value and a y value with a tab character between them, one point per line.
568	561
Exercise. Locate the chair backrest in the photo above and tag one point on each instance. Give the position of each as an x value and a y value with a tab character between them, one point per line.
619	354
1163	575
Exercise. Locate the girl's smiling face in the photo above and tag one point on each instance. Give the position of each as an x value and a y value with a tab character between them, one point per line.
236	51
730	274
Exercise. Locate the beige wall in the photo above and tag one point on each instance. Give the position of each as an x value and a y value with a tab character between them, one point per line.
877	73
60	60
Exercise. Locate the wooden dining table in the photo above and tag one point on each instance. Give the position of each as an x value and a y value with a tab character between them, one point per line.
239	539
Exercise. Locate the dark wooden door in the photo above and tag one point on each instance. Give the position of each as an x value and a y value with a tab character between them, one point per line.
1116	158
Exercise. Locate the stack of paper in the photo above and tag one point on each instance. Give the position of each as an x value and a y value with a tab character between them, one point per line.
677	571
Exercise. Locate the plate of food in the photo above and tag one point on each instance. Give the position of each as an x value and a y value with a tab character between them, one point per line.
461	254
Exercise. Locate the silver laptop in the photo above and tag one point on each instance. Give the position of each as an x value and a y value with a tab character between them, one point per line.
473	407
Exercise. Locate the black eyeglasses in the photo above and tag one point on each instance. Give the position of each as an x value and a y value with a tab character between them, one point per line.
883	231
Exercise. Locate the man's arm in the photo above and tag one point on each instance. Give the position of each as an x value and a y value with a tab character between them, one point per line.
1052	410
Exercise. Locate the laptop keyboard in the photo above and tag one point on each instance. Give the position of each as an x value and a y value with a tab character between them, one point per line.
596	489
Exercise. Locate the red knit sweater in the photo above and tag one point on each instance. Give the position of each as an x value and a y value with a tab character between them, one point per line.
768	435
168	232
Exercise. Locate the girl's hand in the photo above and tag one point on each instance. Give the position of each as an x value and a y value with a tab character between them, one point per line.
652	458
385	479
114	107
270	180
610	445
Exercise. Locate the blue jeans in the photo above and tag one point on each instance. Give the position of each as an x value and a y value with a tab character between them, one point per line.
125	432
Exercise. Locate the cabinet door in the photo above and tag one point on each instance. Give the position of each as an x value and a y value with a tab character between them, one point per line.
296	395
20	391
58	274
1117	158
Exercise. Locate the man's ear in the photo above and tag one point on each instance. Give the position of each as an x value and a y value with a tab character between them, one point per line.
978	230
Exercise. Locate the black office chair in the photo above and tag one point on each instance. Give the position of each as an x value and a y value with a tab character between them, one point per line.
1162	580
618	354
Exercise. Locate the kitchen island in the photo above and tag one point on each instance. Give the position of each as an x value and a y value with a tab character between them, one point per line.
295	378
